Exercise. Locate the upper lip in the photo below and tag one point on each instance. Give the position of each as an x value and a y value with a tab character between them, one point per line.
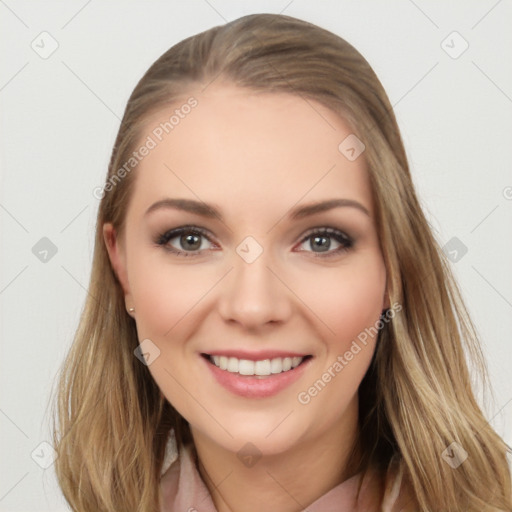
254	356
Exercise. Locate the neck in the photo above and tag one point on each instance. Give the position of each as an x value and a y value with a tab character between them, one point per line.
286	482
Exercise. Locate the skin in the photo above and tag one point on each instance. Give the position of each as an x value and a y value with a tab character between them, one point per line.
255	156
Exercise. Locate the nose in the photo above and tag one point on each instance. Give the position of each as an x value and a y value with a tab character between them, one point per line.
254	294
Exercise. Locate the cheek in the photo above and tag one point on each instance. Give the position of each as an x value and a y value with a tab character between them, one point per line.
346	300
165	294
349	304
167	300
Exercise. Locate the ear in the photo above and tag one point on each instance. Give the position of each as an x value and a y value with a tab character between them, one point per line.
117	256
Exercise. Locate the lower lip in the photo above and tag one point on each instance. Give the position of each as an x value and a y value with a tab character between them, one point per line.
251	386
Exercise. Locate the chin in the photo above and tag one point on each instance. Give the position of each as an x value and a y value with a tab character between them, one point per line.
251	440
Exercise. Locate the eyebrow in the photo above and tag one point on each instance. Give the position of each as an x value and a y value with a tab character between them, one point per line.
211	211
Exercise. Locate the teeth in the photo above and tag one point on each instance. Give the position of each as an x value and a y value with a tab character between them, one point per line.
232	365
245	367
263	367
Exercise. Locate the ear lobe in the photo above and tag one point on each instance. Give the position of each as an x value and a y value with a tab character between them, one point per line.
116	255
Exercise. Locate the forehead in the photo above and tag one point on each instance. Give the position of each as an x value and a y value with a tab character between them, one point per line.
253	148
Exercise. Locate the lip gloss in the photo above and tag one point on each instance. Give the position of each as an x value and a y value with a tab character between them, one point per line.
251	386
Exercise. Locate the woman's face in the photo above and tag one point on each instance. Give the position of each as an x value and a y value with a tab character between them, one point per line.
260	280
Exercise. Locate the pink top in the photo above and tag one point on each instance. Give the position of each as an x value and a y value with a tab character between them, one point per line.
183	490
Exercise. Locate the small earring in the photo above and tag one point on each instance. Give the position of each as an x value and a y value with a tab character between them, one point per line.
131	310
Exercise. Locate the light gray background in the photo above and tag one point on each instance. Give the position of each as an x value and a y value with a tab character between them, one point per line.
60	116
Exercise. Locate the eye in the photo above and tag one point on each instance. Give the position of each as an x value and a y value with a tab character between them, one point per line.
189	240
321	239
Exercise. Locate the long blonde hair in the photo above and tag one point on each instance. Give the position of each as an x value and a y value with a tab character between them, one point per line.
112	421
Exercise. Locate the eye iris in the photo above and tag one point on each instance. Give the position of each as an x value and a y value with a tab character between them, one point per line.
188	238
323	246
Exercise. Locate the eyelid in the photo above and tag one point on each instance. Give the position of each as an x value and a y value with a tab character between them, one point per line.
326	230
169	234
346	241
341	237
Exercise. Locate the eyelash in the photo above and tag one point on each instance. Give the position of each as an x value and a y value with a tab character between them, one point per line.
345	241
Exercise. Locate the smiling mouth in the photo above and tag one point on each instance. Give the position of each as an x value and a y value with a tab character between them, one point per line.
260	368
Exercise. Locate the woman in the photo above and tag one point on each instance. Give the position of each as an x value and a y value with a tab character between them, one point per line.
270	323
